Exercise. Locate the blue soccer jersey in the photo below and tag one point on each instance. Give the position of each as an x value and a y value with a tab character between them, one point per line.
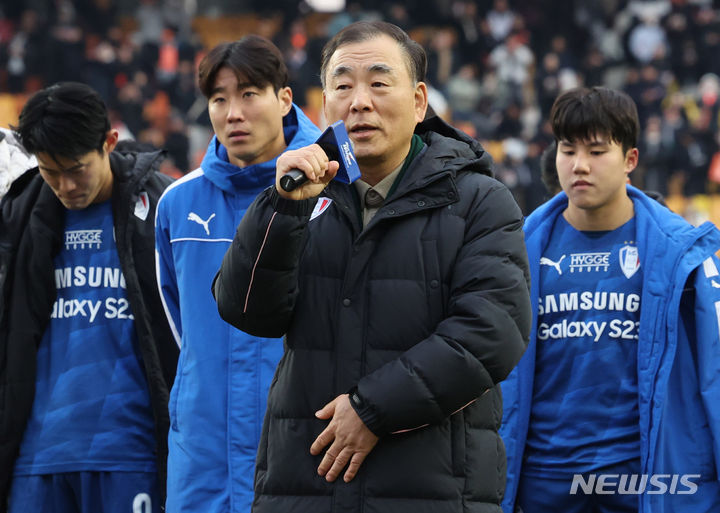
585	396
92	407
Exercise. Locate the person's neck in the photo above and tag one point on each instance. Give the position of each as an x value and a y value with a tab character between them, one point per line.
105	192
373	177
278	147
606	218
373	173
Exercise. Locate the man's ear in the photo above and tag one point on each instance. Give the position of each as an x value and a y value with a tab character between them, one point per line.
421	101
631	160
285	97
111	140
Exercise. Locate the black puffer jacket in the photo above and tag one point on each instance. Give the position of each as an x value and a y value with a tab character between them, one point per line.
425	311
32	223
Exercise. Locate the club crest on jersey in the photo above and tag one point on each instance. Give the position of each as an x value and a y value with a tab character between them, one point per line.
629	260
142	206
321	206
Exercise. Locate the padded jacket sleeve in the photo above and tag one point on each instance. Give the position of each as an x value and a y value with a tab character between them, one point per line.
257	284
481	339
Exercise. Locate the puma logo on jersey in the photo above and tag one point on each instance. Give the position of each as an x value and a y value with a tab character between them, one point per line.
192	216
556	265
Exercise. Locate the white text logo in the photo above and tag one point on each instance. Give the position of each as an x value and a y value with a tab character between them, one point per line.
634	484
347	154
80	276
589	262
617	328
115	308
588	300
80	238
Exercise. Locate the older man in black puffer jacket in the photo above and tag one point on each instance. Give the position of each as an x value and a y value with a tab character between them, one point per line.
404	300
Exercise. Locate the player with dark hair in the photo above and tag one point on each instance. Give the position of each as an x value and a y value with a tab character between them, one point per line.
618	390
218	399
88	358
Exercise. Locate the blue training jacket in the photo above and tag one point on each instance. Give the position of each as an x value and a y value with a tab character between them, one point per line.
678	356
217	402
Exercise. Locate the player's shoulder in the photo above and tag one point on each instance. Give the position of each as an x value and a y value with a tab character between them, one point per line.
184	187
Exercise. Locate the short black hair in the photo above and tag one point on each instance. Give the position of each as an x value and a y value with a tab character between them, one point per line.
548	169
366	30
582	114
68	119
254	58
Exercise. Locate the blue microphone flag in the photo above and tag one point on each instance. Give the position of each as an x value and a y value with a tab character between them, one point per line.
336	143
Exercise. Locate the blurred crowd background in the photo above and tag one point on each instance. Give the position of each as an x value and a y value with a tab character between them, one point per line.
495	67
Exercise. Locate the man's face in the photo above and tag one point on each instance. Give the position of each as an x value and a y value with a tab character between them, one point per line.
593	173
247	119
82	181
368	86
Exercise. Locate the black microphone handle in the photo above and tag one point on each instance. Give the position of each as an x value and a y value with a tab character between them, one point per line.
295	178
292	180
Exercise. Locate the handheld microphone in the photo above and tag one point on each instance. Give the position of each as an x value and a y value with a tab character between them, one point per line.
336	144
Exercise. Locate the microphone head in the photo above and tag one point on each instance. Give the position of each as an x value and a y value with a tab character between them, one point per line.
336	143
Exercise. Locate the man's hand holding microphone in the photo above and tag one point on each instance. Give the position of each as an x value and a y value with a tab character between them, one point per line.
331	157
315	165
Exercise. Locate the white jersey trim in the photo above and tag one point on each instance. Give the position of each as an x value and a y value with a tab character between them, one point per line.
198	239
169	317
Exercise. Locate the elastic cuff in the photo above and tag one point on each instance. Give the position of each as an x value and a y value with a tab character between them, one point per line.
291	207
365	411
